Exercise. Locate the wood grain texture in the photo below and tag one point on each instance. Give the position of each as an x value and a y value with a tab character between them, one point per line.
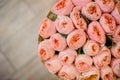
5	68
34	71
19	25
14	20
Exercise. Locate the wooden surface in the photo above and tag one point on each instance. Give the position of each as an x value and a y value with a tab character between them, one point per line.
19	24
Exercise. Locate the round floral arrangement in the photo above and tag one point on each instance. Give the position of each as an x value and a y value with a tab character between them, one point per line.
80	40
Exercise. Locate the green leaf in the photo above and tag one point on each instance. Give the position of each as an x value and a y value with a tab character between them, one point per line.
80	51
109	43
85	18
40	39
64	35
52	16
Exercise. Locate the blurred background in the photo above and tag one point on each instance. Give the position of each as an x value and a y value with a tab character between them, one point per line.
19	25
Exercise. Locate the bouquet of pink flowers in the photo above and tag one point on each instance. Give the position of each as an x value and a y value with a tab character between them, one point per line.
80	40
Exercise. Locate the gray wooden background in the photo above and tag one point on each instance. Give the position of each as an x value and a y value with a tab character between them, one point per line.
19	24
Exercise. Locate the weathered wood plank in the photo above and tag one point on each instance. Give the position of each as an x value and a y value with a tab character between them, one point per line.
19	25
34	71
5	68
14	19
22	46
38	6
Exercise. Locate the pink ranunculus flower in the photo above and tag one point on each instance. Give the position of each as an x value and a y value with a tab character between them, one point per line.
103	58
63	7
115	65
116	35
96	32
58	42
78	21
106	73
45	51
53	65
64	24
106	5
67	56
83	63
116	13
92	74
91	48
68	72
81	3
108	23
76	39
47	28
115	50
92	11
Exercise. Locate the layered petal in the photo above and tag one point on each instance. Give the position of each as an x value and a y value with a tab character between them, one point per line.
106	5
116	35
83	63
45	51
81	3
116	13
64	24
115	50
103	58
76	39
63	7
91	48
53	65
58	42
68	72
106	73
92	74
108	23
79	22
47	28
96	32
67	56
92	11
116	66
